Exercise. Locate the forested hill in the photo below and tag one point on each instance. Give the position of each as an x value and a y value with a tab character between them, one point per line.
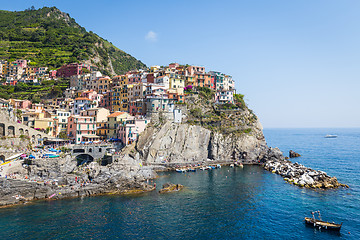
49	37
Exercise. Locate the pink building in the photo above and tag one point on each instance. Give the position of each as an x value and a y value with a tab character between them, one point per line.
129	131
20	104
173	65
20	63
81	129
195	70
105	101
52	73
133	77
91	94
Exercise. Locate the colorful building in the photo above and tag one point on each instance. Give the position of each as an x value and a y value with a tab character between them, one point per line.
82	129
113	122
130	130
72	69
81	104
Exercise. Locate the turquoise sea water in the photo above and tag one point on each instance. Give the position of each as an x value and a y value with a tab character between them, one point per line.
226	203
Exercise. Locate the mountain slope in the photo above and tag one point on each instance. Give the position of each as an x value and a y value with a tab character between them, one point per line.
49	37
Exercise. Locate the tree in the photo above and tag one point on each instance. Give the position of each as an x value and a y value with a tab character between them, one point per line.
63	135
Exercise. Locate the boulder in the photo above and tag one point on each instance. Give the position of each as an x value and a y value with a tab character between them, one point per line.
293	154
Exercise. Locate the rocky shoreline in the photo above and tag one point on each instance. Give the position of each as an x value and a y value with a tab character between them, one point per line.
160	148
299	175
106	180
62	178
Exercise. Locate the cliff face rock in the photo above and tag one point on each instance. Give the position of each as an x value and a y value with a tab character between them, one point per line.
186	143
220	132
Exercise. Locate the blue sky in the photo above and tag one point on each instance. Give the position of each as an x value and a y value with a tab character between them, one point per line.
297	62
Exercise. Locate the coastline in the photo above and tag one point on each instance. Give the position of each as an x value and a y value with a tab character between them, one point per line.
129	187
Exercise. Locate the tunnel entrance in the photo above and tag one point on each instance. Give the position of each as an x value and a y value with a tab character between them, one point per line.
84	158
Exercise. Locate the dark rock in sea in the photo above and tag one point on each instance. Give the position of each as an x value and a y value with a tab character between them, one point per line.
168	187
293	154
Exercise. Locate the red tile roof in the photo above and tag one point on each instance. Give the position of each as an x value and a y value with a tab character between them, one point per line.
115	114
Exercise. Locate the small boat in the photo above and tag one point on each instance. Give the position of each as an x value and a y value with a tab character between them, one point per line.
218	166
319	223
208	168
212	167
331	136
191	170
180	170
202	168
231	165
239	165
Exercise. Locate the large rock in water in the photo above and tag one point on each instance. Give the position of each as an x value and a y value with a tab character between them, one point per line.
293	154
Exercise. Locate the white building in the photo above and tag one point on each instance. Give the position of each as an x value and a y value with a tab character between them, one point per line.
81	104
163	80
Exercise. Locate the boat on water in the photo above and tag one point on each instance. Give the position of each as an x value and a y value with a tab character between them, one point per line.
218	166
239	165
331	136
191	170
180	170
231	165
319	223
202	168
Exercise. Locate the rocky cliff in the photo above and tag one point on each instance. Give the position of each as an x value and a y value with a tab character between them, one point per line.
221	133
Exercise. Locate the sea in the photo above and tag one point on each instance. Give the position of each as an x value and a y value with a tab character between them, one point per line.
226	203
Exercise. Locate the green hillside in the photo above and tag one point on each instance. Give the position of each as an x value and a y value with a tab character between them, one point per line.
49	37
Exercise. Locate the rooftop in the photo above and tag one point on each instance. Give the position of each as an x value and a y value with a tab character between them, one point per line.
115	114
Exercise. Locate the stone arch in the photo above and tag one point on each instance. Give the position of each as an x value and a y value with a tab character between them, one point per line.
2	158
2	130
21	131
38	136
27	132
84	158
11	131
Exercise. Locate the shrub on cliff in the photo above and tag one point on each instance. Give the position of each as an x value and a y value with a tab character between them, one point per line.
206	93
196	112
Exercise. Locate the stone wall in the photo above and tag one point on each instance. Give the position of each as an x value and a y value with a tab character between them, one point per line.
10	128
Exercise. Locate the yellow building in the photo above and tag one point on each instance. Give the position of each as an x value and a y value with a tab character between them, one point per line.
113	121
101	129
49	125
103	85
5	68
176	81
119	96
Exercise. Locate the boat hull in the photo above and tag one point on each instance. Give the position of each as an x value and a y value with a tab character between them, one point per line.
322	224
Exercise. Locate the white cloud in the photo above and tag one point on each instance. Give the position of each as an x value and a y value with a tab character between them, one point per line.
151	36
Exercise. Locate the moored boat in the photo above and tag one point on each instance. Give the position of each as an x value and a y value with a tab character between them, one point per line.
319	223
239	165
331	136
180	170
